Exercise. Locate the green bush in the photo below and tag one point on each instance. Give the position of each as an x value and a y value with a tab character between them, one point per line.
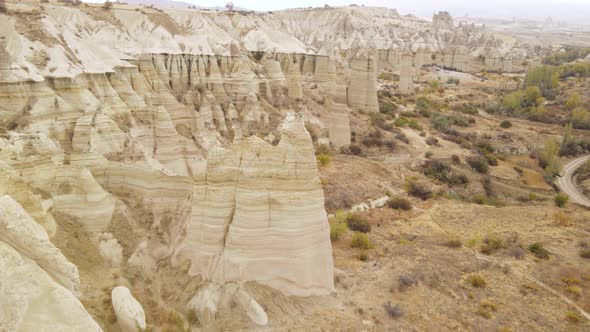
324	159
443	172
476	281
337	229
400	203
505	124
363	256
491	243
401	122
585	253
479	164
573	317
561	200
479	199
414	124
361	241
422	104
357	223
387	107
539	251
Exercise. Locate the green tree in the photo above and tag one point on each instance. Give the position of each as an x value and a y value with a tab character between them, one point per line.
549	157
533	96
513	101
546	78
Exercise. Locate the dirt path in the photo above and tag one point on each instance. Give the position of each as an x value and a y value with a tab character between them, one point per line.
568	185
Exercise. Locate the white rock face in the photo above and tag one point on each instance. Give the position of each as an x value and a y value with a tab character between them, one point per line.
213	297
130	314
36	280
362	93
20	231
247	222
406	80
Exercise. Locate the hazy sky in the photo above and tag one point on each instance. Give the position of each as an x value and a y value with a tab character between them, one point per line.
573	10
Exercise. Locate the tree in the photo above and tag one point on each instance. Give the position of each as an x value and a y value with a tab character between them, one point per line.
546	78
549	157
532	96
107	5
229	6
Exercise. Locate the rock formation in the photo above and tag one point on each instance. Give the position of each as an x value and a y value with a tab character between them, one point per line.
38	283
130	315
406	80
245	207
362	92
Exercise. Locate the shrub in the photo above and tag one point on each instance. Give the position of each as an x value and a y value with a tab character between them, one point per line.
387	107
517	252
400	203
324	159
476	281
3	6
539	251
443	172
479	164
374	138
484	313
573	317
363	256
107	5
428	154
454	243
585	253
393	311
561	200
414	124
563	219
357	223
355	150
574	290
192	317
422	104
486	183
505	124
337	228
361	241
401	122
402	137
419	190
456	159
491	243
432	141
479	199
405	281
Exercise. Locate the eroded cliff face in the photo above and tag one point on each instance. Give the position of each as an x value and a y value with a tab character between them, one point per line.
248	215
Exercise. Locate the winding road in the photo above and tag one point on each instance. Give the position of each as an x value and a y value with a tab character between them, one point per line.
567	183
